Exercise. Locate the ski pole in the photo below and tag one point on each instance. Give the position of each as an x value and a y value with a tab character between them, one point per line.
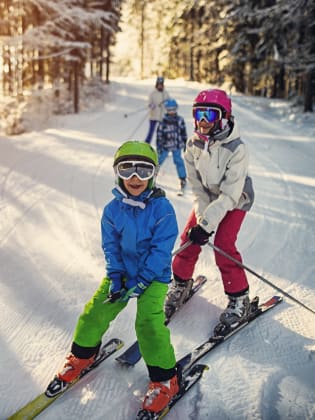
137	128
135	112
220	251
140	110
181	248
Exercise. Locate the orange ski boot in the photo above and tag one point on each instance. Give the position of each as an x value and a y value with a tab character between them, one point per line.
70	371
73	367
160	394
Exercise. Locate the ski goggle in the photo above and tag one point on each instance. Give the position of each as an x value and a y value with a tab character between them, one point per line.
129	168
211	115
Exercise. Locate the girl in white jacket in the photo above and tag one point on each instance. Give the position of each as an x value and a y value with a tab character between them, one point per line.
216	161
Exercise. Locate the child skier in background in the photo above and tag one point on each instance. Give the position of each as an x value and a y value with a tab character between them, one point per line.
172	137
216	161
139	230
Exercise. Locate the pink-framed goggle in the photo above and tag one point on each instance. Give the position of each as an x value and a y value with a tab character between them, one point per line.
210	114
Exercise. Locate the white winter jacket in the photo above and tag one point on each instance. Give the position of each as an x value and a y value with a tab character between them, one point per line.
156	104
218	174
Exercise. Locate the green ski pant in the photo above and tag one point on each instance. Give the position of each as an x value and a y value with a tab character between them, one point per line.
153	336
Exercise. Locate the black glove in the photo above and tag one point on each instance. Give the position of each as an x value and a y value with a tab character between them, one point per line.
115	288
198	235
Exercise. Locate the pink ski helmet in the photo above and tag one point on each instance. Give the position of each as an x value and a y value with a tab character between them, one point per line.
216	98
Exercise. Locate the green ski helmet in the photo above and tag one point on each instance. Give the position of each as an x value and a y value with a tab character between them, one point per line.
136	150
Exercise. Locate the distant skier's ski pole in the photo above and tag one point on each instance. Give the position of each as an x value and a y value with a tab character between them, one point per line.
140	110
137	128
135	112
220	251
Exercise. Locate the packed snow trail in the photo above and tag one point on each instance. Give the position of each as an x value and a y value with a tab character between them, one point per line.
53	187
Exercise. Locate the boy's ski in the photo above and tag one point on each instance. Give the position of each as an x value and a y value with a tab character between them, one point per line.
132	355
256	310
190	378
40	403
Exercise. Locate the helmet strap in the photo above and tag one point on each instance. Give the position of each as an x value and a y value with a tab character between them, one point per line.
225	132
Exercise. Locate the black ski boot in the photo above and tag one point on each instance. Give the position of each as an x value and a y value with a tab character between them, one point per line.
178	293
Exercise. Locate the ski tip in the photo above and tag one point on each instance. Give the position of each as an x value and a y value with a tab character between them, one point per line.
274	300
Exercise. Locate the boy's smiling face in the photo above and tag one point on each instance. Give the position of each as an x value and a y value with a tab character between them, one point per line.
135	186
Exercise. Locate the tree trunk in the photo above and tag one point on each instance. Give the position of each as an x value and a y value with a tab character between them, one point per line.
101	54
192	70
76	88
308	92
142	41
107	58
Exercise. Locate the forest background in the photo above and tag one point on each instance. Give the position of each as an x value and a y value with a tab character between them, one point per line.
53	49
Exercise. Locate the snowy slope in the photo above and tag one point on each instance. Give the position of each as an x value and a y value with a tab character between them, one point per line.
53	186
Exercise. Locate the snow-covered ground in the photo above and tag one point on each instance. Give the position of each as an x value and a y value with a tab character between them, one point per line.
53	186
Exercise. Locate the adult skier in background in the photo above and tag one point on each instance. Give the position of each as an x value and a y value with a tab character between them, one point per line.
139	230
171	137
217	168
157	99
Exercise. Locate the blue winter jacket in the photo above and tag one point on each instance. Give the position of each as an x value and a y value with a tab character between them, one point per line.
138	236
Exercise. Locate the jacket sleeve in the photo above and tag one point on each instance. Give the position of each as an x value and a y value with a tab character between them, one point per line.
211	208
158	263
234	180
110	244
230	191
201	197
151	99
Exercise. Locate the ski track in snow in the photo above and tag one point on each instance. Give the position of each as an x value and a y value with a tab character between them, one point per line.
53	186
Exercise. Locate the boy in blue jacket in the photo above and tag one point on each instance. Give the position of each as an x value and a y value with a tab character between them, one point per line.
139	230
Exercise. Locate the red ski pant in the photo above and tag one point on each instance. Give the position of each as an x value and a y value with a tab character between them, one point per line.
233	277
